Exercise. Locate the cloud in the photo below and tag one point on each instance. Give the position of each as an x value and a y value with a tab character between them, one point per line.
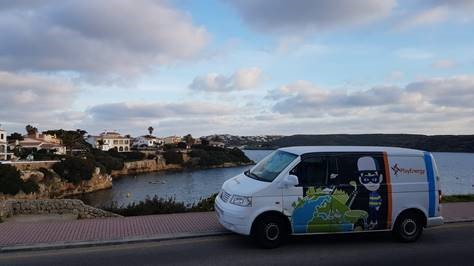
96	38
167	118
242	79
444	63
426	17
413	54
436	11
32	98
308	15
155	110
444	99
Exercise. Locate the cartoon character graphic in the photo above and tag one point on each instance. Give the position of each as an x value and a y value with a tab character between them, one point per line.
371	179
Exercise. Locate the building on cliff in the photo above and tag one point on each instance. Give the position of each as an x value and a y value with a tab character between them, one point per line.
109	140
38	142
4	154
147	141
172	140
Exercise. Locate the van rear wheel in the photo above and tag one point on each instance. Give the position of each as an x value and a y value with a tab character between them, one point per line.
408	227
270	232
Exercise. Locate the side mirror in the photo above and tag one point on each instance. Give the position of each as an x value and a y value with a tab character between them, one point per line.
289	181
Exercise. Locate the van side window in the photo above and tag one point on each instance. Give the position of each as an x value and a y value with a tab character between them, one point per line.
312	171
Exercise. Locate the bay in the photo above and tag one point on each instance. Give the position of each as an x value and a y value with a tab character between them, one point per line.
456	174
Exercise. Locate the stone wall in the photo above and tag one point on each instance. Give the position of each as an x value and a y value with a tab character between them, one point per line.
10	208
33	165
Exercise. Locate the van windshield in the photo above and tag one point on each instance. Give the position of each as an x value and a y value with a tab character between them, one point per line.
271	166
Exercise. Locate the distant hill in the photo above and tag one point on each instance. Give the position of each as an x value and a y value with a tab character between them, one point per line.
436	143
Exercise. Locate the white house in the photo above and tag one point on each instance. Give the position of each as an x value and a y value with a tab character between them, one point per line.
147	141
109	140
3	145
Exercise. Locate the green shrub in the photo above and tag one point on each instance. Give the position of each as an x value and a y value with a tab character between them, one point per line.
209	156
29	186
458	198
149	206
75	169
107	159
10	181
168	147
204	205
157	205
134	156
173	157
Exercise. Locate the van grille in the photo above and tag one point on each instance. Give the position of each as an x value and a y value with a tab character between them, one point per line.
225	196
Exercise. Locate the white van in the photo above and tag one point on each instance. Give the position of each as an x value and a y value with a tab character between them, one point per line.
329	189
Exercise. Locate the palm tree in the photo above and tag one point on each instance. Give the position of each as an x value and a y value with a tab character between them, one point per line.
150	130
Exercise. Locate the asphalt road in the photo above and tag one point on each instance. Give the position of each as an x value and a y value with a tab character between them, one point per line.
447	245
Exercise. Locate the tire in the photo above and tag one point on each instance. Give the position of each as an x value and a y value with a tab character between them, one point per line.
408	227
270	232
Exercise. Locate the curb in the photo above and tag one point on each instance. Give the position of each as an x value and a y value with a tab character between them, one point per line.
461	220
139	239
94	243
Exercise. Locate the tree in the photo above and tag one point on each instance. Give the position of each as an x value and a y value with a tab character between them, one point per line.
29	186
182	145
75	169
173	157
10	181
31	130
150	130
71	138
189	139
15	136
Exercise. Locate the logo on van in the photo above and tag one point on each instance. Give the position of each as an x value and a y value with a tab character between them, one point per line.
406	171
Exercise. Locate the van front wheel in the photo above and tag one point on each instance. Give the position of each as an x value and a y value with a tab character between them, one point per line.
408	227
270	232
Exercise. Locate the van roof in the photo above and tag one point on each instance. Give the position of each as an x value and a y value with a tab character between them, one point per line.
299	150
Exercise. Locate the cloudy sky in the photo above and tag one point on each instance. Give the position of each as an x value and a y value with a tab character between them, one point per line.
238	66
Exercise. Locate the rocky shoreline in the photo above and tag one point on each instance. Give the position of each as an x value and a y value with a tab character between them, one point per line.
56	188
150	166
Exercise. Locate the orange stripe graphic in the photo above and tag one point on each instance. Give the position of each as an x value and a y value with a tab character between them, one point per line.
389	190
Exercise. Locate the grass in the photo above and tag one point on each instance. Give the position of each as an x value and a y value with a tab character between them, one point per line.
458	198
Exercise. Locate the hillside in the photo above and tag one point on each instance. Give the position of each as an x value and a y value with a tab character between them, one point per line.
436	143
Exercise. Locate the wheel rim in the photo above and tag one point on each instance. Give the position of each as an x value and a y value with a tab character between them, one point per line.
272	231
409	227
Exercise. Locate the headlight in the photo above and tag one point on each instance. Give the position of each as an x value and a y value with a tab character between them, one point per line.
241	201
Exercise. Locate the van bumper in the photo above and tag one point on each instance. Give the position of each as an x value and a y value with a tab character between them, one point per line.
434	221
233	218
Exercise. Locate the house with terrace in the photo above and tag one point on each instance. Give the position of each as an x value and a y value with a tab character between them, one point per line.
109	140
37	141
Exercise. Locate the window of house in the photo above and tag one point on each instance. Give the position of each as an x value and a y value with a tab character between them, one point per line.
115	141
1	137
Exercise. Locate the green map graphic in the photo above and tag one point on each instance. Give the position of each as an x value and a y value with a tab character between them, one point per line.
331	214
